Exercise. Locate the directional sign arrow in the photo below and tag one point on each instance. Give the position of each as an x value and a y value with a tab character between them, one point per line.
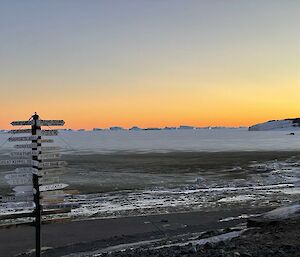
52	164
61	206
49	156
16	162
13	176
51	194
21	154
48	172
52	201
53	187
30	138
49	132
50	122
24	170
22	123
32	145
58	193
22	205
25	154
20	181
23	189
49	180
46	141
16	198
48	148
21	131
25	193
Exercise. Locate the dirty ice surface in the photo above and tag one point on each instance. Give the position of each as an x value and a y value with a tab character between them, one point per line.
177	140
126	190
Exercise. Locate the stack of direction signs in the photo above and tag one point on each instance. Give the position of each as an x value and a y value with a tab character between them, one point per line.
36	184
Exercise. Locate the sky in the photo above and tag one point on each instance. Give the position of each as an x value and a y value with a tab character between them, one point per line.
149	63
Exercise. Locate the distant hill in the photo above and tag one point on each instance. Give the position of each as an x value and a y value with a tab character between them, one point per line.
287	124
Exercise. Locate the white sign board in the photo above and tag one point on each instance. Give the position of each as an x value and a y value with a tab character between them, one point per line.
33	145
19	181
21	131
60	206
50	132
48	148
52	164
16	198
26	193
47	194
15	162
22	123
49	156
48	172
24	170
50	122
30	138
49	180
12	176
23	189
46	141
21	154
53	187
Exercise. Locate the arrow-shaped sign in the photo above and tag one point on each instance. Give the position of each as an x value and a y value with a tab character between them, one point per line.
52	201
12	176
48	148
22	123
24	170
27	154
16	162
29	138
32	145
26	193
46	141
50	122
21	131
21	205
41	173
21	189
20	181
61	206
51	164
58	193
48	180
16	198
53	187
49	132
49	156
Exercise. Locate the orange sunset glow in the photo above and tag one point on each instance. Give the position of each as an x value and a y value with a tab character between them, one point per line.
199	64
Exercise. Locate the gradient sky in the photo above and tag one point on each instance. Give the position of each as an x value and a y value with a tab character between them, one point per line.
150	62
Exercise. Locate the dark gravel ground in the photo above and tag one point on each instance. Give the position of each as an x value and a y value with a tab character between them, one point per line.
273	240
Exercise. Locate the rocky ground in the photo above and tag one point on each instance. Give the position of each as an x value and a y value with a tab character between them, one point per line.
274	234
276	240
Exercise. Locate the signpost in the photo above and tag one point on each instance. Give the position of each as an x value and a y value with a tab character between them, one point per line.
29	185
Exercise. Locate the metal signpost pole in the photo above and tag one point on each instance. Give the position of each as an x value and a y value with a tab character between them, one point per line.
36	131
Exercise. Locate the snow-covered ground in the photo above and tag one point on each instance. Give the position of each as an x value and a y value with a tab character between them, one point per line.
287	124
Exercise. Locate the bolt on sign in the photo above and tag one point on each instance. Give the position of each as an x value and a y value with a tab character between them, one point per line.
32	181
